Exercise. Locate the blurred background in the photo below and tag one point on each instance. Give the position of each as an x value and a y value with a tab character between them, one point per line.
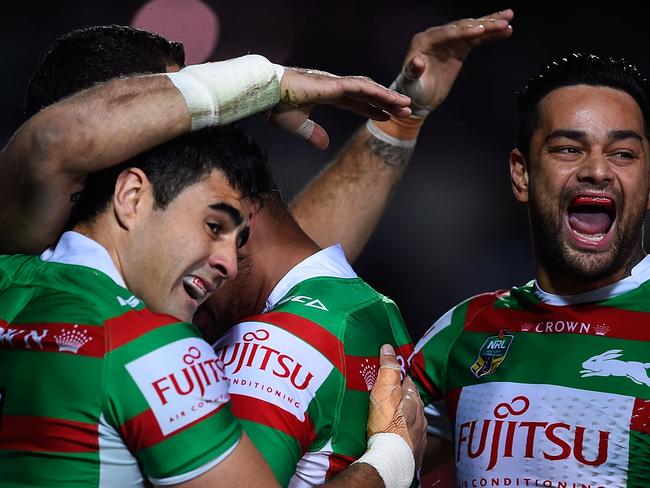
453	228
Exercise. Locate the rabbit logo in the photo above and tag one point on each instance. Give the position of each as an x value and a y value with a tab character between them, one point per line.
607	364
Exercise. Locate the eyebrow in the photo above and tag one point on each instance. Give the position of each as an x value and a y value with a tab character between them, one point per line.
579	135
232	212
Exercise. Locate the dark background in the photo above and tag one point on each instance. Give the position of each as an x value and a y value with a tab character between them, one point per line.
453	228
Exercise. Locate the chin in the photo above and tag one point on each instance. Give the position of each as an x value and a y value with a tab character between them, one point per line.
591	265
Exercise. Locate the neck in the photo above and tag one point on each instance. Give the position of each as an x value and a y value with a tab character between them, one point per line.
278	244
99	232
559	280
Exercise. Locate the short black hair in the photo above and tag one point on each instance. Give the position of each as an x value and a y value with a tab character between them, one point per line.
88	56
84	57
179	163
577	69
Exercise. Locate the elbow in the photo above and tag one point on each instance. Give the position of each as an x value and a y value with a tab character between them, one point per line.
48	140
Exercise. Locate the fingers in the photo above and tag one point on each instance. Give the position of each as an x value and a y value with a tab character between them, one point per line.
413	410
507	14
373	97
362	108
389	368
314	134
385	407
414	68
466	29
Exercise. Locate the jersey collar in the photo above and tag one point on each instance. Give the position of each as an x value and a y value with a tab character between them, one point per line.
75	248
330	261
639	274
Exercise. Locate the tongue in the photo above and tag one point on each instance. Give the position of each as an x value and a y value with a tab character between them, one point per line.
590	222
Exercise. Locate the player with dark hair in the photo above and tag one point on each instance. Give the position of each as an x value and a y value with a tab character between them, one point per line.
581	165
313	446
84	57
150	398
547	384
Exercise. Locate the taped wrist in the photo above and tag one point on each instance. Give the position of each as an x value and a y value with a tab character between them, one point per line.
411	88
392	457
396	132
223	92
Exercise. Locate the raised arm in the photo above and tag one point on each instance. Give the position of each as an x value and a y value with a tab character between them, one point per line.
344	203
46	161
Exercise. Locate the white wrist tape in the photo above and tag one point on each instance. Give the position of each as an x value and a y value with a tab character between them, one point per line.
223	92
393	459
411	88
382	135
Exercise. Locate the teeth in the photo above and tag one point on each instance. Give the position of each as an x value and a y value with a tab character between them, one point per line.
199	284
194	287
591	237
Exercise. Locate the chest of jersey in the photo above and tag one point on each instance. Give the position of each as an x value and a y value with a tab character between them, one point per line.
551	396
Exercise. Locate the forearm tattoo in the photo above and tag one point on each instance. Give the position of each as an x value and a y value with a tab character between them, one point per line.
394	156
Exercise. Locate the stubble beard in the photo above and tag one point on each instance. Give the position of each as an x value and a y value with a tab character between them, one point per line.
559	258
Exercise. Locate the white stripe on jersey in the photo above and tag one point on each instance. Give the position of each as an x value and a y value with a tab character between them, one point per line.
312	468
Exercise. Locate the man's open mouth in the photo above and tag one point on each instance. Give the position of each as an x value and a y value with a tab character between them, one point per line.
196	287
591	217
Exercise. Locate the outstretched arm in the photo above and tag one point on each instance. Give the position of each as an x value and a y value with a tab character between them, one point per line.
48	158
344	203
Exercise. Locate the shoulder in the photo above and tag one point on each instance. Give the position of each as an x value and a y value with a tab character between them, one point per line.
453	321
333	303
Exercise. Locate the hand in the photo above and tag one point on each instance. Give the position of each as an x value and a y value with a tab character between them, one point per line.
301	90
436	56
413	410
395	408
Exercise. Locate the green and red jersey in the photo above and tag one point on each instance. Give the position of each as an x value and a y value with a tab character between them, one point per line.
545	390
300	374
96	389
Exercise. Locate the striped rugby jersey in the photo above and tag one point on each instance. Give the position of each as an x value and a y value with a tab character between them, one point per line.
95	389
546	390
300	374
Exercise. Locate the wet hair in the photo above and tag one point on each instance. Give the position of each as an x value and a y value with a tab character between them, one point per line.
577	69
179	163
88	56
84	57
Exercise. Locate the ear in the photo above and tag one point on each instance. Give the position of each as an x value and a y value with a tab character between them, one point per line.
519	175
132	197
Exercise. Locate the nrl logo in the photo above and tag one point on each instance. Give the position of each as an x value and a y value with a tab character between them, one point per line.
492	353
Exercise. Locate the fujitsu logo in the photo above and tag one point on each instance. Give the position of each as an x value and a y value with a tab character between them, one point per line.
198	374
72	340
475	436
250	353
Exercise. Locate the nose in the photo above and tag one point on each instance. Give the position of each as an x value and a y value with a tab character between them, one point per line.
595	169
223	257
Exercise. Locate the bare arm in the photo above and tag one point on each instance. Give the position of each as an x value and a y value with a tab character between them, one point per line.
358	475
344	203
394	409
245	466
49	157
